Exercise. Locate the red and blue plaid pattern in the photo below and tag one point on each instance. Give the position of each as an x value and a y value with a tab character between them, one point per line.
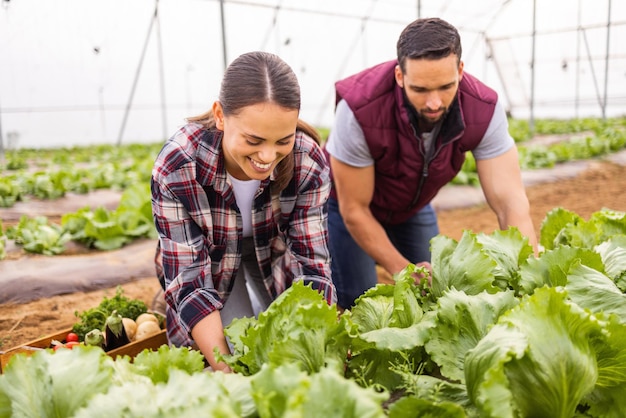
200	231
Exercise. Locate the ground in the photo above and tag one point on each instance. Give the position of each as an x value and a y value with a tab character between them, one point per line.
599	184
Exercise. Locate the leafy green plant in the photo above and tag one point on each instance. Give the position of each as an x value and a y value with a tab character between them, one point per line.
602	138
46	185
100	228
500	333
37	235
468	174
3	252
10	192
16	163
279	335
107	230
76	169
95	318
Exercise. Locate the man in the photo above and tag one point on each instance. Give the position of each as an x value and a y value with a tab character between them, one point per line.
401	132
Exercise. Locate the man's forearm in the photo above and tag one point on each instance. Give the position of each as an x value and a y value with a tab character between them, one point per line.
372	238
524	223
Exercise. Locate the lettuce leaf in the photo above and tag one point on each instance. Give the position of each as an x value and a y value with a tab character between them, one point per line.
613	253
287	392
607	399
461	322
412	406
551	267
610	222
537	361
183	395
391	331
158	365
554	221
299	327
55	384
563	227
434	390
463	265
594	291
509	249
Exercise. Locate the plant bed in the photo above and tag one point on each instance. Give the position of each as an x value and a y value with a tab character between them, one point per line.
152	342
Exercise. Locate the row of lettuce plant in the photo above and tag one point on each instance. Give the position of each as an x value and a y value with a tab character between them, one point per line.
590	138
98	228
50	174
500	333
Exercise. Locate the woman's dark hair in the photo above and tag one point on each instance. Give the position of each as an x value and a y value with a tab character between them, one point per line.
429	38
260	77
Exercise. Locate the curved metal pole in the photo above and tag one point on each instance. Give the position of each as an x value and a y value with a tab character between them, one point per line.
1	139
531	123
224	53
591	67
161	75
578	36
134	87
501	77
606	63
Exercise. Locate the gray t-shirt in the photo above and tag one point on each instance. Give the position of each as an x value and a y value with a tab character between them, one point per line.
346	141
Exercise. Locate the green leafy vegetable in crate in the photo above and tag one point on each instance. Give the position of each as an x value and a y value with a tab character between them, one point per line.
95	318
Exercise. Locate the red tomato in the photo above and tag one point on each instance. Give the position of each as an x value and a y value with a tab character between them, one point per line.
69	344
72	336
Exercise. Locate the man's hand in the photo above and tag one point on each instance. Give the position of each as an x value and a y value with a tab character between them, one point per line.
222	367
419	276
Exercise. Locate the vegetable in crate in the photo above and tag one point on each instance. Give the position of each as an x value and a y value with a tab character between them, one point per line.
115	334
95	318
146	317
147	325
95	337
130	327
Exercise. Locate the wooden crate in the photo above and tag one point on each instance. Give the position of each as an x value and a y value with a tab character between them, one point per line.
153	343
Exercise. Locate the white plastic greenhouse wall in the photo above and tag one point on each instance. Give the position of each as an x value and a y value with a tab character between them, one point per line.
82	72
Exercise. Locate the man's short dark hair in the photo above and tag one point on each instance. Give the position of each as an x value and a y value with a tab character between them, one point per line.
429	38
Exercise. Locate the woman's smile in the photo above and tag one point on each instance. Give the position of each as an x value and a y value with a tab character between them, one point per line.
260	166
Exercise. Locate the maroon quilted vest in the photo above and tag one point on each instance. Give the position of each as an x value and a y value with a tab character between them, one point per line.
378	105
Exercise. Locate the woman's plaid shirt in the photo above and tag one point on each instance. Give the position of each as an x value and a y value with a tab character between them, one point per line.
200	230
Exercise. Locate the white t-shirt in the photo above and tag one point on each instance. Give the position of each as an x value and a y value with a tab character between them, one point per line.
245	190
346	141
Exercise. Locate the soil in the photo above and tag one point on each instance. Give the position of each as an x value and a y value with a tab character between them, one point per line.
583	188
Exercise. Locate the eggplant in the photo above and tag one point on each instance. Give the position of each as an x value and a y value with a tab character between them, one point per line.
115	334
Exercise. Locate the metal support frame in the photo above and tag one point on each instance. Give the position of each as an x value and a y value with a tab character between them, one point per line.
154	19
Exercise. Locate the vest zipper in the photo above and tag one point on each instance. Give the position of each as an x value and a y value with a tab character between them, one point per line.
422	181
427	158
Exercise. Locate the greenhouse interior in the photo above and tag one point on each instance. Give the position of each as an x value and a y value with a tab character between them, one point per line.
111	253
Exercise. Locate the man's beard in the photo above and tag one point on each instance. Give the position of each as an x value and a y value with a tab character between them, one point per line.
418	116
422	115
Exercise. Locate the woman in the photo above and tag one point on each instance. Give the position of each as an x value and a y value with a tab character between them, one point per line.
239	201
